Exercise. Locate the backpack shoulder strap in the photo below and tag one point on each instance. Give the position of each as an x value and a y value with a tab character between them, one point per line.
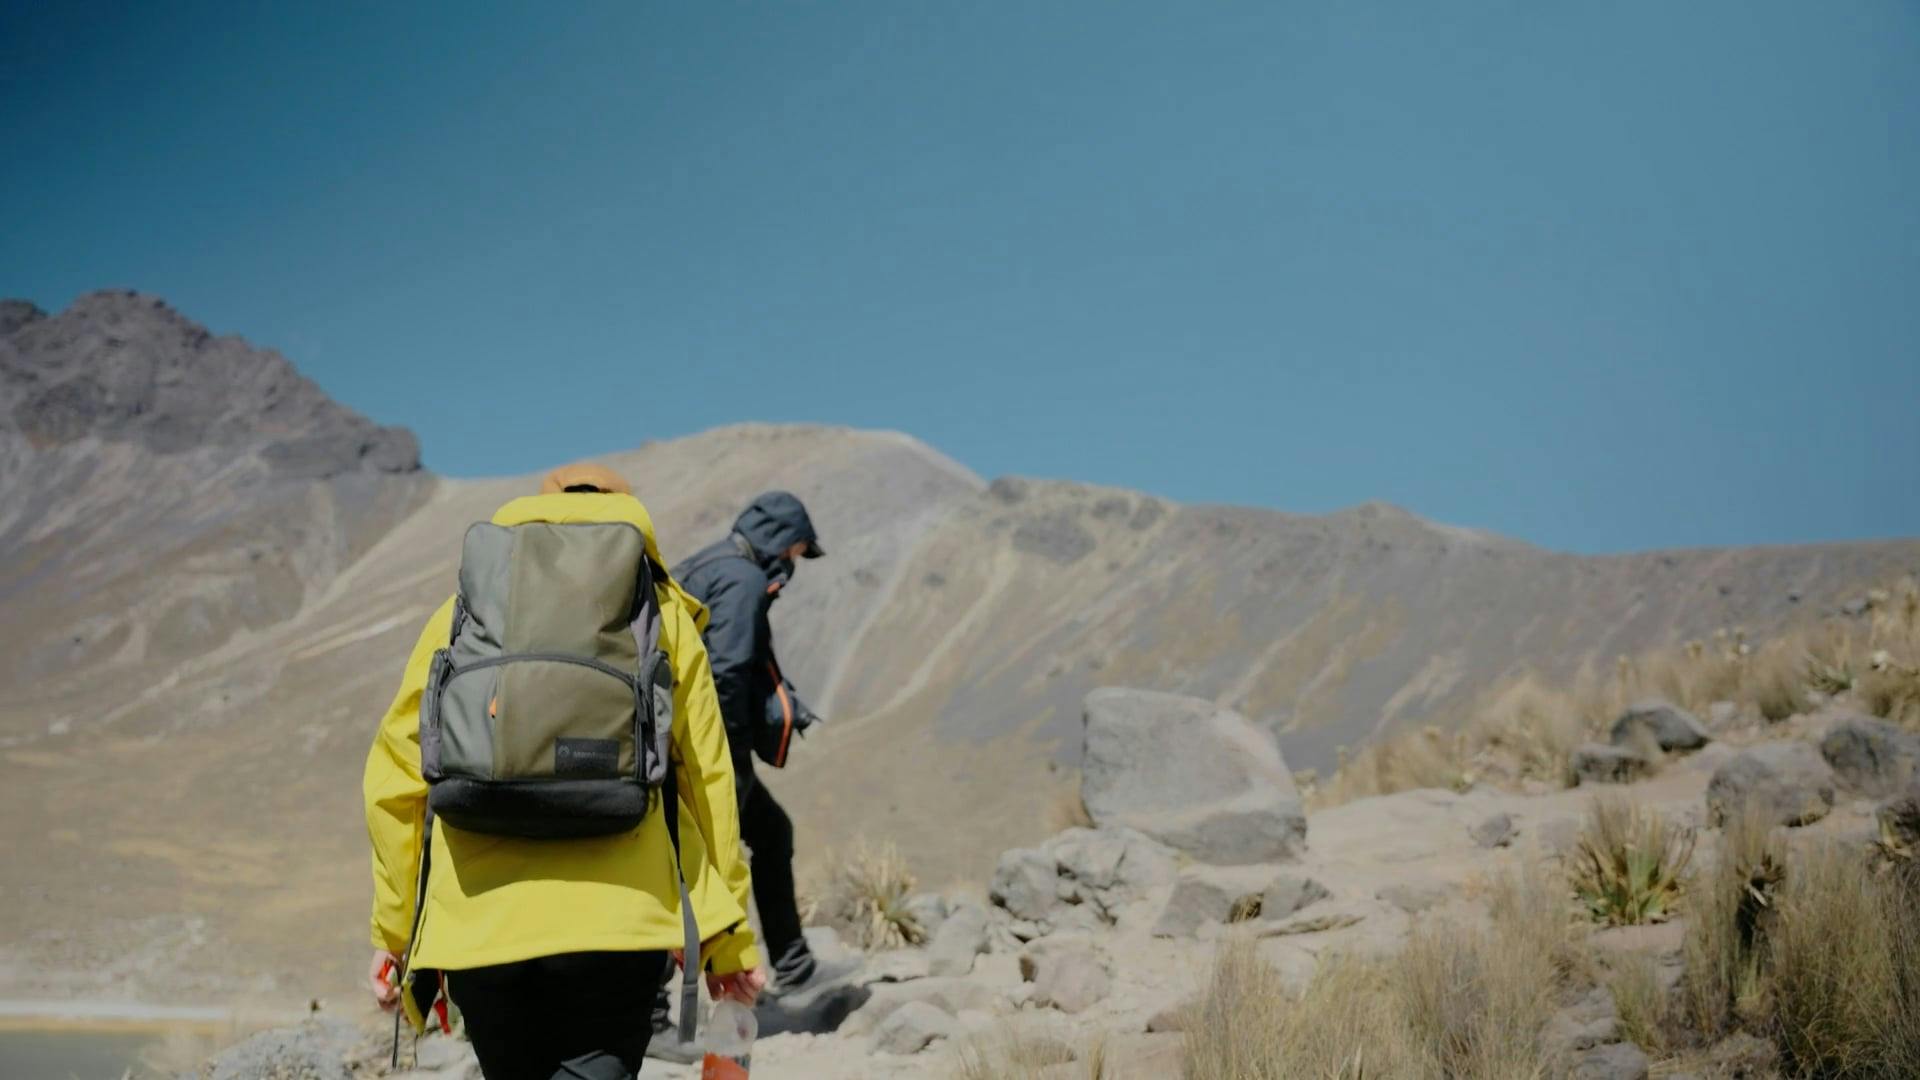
646	632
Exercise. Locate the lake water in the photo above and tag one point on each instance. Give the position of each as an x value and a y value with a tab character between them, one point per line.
27	1054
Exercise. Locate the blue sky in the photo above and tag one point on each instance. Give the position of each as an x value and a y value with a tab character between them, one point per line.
1603	277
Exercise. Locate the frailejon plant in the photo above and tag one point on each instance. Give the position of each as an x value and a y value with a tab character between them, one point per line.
1629	864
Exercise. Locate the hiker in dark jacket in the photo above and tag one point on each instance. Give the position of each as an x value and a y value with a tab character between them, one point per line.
738	578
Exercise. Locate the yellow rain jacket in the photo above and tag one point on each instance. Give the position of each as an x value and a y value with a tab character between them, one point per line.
497	899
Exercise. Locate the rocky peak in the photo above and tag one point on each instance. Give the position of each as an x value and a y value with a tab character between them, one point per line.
125	367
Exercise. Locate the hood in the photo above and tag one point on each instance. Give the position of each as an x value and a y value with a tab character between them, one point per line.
586	507
774	522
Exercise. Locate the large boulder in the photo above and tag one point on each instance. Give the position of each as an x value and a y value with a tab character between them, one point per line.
1786	783
1659	724
1191	775
1872	755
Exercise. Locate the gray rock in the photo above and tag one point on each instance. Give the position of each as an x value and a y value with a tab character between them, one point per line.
1787	783
1288	893
1872	755
1197	900
1104	860
1495	831
1590	1022
1069	979
897	965
1899	821
911	1028
1614	1061
1659	723
1744	1055
929	910
952	996
1025	883
1414	897
315	1050
962	937
1194	776
1598	763
1178	1016
1721	715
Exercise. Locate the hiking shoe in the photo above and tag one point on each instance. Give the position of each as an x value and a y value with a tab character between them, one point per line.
797	971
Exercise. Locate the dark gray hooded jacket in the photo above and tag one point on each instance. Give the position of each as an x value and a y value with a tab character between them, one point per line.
738	579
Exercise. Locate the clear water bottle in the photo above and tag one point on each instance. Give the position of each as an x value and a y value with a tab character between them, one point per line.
730	1033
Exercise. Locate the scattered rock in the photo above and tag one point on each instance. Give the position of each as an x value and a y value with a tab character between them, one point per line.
1071	980
1786	782
1315	921
1872	755
1744	1055
1588	1023
314	1050
1110	867
446	1058
1080	878
1198	899
1598	763
1495	831
1614	1061
1656	940
961	937
898	965
1177	1016
1287	894
1414	897
911	1028
1024	883
1136	1056
1899	821
928	910
1189	774
1659	723
1722	715
951	996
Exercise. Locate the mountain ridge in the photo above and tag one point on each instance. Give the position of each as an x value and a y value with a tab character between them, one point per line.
220	633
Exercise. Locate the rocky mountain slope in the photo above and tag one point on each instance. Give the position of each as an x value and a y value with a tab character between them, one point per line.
211	575
1099	944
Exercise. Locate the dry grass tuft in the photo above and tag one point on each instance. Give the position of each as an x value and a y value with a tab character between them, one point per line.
865	898
1526	731
1730	910
1845	959
1346	1026
1463	1001
1011	1056
1646	1012
1628	863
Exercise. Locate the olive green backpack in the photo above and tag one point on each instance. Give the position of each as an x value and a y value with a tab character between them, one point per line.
550	710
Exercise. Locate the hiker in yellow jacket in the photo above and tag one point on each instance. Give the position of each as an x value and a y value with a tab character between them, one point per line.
552	948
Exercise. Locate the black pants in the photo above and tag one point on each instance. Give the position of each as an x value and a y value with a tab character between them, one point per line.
767	829
575	1015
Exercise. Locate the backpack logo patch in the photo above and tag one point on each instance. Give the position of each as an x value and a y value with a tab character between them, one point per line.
588	757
